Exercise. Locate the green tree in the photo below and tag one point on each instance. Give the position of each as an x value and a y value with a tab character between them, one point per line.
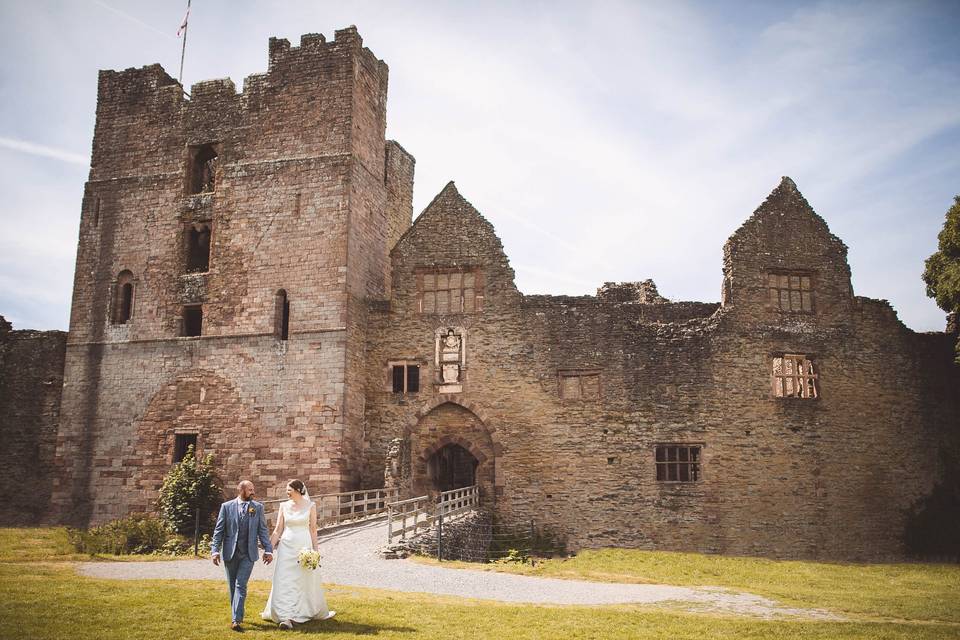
190	484
942	272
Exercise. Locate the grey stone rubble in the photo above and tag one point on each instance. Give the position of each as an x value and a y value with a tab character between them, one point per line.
351	557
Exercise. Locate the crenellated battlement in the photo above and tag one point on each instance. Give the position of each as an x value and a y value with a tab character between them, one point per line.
333	93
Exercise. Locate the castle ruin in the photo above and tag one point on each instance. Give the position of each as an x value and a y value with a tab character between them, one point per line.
249	282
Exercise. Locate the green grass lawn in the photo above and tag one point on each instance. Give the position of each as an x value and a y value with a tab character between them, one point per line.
33	544
887	591
42	596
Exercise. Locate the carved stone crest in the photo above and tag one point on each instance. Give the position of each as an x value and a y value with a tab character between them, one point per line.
450	359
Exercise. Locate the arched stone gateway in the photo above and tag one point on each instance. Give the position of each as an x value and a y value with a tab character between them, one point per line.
451	467
451	448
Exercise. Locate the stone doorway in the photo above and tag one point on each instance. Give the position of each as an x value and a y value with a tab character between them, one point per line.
451	467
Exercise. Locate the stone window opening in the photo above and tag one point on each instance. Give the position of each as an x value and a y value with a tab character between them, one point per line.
579	384
282	316
192	321
204	160
123	298
793	377
198	247
791	291
404	377
96	212
182	443
678	462
442	291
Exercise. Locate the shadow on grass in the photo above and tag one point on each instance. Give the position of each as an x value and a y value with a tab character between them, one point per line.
332	626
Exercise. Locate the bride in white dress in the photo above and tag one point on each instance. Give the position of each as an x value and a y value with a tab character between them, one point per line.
296	595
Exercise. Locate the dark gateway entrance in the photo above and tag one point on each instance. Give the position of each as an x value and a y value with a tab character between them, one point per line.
452	467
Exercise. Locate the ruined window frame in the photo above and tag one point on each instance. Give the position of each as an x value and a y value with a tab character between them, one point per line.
181	444
466	303
183	320
121	311
804	381
664	464
405	366
193	265
791	292
593	375
203	172
281	320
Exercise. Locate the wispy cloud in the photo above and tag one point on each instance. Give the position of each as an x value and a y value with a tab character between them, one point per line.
605	141
136	20
41	150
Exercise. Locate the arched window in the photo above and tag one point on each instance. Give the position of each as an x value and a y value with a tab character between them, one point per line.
123	298
281	326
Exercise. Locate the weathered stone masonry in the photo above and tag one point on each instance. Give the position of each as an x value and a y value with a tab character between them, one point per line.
336	339
824	477
298	202
31	377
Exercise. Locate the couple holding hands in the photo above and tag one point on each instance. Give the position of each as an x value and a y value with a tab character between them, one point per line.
296	595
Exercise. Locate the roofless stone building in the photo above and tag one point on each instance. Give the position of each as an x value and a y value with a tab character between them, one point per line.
249	281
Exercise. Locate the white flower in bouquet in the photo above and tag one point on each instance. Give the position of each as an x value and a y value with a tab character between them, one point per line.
308	558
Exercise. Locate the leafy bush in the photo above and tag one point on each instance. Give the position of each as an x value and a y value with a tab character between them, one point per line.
135	534
514	556
189	485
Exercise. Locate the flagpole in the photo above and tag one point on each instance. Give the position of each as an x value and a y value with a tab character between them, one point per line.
183	50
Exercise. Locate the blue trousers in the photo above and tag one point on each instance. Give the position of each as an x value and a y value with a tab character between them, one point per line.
238	570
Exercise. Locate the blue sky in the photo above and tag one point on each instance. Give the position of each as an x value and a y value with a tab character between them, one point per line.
606	141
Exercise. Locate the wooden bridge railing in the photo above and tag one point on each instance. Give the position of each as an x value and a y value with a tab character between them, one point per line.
457	501
418	511
421	512
349	506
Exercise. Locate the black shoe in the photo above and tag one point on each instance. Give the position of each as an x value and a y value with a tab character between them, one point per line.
236	626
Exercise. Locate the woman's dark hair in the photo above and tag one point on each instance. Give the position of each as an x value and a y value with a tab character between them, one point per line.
297	486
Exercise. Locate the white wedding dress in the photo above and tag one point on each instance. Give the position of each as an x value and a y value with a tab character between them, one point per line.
297	594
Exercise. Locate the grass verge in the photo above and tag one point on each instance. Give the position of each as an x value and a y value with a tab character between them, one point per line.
50	601
50	544
928	592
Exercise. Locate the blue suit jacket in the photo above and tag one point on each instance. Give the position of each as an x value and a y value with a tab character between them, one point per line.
228	524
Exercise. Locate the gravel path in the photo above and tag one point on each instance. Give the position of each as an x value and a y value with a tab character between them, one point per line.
350	558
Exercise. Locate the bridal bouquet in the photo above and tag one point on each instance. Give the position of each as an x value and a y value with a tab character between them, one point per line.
308	558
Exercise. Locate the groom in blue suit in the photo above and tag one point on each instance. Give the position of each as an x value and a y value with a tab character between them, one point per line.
240	524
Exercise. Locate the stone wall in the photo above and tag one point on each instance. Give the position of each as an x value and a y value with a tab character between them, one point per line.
827	477
31	378
561	401
298	208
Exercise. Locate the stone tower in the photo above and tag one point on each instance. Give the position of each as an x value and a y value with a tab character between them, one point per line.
228	242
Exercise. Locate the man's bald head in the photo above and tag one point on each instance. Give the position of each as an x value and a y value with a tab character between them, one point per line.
245	489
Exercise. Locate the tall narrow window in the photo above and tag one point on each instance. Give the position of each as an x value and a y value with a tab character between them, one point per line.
678	463
123	298
192	321
405	377
198	247
203	169
282	316
182	443
793	377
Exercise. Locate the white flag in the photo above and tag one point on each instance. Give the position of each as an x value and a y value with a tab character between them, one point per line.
183	25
